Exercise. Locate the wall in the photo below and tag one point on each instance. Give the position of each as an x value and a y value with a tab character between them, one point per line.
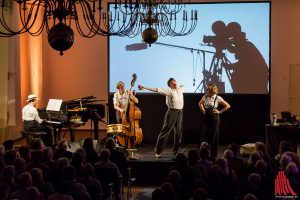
82	70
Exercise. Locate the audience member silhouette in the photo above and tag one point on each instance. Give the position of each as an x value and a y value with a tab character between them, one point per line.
116	156
10	157
36	162
77	190
62	150
92	184
61	194
158	194
24	152
46	188
77	161
8	145
4	191
58	173
104	165
25	182
19	168
91	154
48	158
7	177
32	193
169	190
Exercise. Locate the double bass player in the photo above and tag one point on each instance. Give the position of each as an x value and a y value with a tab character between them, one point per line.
128	115
121	99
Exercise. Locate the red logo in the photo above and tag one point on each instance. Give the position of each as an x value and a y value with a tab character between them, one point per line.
283	188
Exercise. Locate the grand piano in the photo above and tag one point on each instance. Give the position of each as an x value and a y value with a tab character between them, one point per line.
74	113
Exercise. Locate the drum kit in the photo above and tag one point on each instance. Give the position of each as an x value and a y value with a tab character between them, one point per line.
117	132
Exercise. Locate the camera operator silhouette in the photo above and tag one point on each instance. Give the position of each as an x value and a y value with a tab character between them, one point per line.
219	41
250	73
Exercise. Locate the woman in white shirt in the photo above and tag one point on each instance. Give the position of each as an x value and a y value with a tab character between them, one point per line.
209	106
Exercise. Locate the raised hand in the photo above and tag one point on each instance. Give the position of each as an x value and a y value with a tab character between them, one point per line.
141	87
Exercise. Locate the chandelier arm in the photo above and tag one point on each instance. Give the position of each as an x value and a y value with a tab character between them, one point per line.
9	31
129	25
134	27
88	22
28	22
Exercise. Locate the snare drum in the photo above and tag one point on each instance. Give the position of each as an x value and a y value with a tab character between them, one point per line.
114	128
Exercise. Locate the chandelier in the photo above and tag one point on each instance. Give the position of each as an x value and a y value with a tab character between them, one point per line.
127	18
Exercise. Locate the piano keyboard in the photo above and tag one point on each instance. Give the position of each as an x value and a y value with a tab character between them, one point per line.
52	122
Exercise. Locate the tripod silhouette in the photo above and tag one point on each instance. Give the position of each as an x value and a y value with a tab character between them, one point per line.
214	74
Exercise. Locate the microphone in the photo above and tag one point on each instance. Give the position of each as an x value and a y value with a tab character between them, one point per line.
140	87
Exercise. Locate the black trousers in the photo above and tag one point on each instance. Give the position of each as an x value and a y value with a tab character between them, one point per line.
172	121
33	126
212	121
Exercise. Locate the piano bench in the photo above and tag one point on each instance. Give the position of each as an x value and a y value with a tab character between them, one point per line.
30	135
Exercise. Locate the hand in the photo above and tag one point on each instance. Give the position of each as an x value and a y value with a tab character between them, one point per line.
216	111
121	110
141	87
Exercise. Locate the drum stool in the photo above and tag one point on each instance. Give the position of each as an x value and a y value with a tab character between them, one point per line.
30	135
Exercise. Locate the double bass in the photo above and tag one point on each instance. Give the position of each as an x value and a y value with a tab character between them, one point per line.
130	120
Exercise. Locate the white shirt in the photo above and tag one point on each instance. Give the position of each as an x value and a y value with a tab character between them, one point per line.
121	99
210	102
174	97
29	113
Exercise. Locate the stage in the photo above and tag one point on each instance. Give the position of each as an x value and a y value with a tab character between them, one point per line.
151	171
145	167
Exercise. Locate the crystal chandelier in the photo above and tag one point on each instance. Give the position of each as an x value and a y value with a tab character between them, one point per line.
128	18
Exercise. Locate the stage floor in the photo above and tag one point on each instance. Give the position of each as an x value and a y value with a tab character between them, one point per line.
151	171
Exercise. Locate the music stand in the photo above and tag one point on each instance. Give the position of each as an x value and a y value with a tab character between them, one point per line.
53	105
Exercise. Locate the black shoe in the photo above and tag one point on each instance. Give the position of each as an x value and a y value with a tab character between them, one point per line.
175	154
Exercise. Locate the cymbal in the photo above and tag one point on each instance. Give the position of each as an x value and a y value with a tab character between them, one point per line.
80	99
76	109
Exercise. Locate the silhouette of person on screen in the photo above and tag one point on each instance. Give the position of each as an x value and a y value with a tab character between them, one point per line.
250	73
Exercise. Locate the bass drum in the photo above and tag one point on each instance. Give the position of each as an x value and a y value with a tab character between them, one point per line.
114	128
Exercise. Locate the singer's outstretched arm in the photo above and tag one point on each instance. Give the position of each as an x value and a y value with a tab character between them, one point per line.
147	88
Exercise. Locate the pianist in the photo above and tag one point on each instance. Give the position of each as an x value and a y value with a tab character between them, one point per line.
121	99
32	121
